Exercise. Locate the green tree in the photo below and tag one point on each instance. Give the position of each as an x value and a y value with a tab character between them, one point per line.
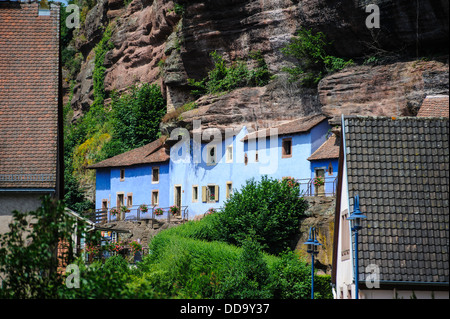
28	260
135	119
271	208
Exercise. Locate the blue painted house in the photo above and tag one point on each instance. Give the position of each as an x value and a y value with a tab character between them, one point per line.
199	169
204	177
324	164
140	176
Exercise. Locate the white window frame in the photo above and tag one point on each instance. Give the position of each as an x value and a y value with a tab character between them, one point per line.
229	154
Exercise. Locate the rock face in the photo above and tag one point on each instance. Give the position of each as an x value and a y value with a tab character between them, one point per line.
320	215
156	41
396	89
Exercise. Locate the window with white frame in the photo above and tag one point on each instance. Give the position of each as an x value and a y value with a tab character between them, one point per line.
229	154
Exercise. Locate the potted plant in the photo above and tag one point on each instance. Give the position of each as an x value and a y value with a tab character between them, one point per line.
114	211
318	181
174	209
135	247
212	197
143	208
124	209
158	211
210	211
291	182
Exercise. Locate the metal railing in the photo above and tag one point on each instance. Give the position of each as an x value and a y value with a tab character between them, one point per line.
307	187
138	213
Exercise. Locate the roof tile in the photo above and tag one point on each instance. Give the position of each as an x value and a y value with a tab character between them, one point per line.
403	187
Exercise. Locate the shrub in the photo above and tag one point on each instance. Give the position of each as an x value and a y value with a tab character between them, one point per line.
249	277
310	50
28	262
271	208
223	78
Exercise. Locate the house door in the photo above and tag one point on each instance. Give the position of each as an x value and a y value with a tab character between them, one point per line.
119	206
319	190
177	199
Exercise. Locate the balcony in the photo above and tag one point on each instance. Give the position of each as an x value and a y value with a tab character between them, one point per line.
308	188
140	213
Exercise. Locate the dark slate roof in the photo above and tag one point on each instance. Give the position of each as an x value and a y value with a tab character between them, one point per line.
300	125
154	152
400	169
434	106
29	84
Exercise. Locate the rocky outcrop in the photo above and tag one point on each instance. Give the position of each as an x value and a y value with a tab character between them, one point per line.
166	42
254	107
395	89
320	215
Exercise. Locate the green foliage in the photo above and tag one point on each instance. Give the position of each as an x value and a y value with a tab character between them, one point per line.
271	208
223	78
249	277
314	62
28	263
134	118
98	281
98	75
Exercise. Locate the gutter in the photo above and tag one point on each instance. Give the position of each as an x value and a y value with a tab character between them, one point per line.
28	190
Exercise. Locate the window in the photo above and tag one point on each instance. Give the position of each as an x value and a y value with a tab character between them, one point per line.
229	154
229	189
155	175
104	205
256	156
210	194
330	169
211	155
155	197
345	236
245	159
122	175
286	150
194	194
129	199
120	197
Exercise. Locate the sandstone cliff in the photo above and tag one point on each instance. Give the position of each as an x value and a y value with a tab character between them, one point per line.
167	42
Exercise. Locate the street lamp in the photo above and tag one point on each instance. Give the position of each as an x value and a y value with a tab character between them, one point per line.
312	247
355	220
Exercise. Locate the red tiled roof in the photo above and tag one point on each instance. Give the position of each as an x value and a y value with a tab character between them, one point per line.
434	106
155	152
328	150
299	125
29	84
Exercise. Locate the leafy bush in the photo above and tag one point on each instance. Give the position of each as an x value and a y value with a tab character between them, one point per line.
223	78
28	262
249	277
314	62
271	208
